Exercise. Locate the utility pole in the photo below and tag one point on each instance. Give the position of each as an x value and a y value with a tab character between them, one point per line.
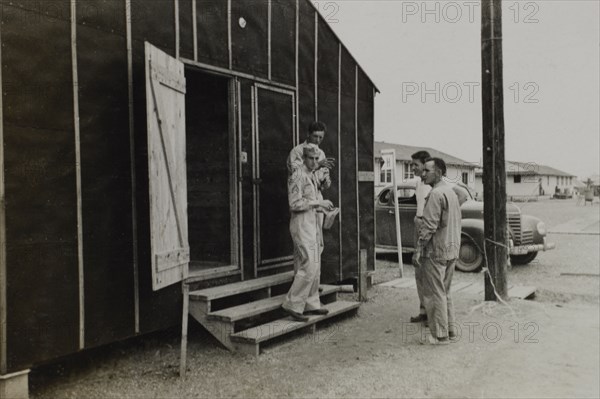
494	174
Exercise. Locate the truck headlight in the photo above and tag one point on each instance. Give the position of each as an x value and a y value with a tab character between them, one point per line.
541	228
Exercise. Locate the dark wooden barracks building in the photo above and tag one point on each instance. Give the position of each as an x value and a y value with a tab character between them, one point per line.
143	143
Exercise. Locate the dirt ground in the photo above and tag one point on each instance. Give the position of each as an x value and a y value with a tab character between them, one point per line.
546	347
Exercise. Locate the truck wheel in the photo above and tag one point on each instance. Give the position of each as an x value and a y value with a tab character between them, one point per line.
523	259
470	258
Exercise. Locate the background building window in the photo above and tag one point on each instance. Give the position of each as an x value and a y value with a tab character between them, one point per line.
517	179
465	177
408	173
385	176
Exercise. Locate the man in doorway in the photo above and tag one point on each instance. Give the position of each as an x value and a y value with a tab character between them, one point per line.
437	250
421	191
307	234
316	132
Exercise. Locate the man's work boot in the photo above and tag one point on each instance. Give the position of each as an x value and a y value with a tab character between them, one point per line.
295	315
430	340
452	336
418	319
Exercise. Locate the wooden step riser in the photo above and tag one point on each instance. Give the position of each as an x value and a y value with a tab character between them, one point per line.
222	330
329	298
246	297
257	320
325	298
254	349
279	327
267	315
272	315
234	300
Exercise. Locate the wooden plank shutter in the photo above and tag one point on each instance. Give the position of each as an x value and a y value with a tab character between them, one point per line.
165	102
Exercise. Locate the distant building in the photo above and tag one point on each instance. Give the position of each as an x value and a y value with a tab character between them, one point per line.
458	169
530	181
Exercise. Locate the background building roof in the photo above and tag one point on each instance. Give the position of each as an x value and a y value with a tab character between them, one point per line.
530	168
403	153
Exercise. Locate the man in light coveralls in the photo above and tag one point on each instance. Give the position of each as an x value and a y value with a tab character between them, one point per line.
437	250
306	229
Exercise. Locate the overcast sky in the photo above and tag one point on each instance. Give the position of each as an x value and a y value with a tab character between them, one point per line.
425	57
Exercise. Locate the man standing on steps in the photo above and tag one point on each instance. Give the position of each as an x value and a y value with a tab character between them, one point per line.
438	247
421	191
316	133
306	229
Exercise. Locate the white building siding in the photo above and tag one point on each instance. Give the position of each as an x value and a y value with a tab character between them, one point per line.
529	186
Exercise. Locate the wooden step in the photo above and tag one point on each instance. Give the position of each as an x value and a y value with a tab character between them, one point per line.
261	306
222	291
265	332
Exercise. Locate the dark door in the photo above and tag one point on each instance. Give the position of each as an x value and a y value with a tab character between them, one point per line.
275	137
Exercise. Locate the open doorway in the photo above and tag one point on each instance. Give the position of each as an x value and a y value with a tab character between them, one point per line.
211	174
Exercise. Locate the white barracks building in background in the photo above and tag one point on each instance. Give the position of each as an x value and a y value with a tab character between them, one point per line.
529	181
458	169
